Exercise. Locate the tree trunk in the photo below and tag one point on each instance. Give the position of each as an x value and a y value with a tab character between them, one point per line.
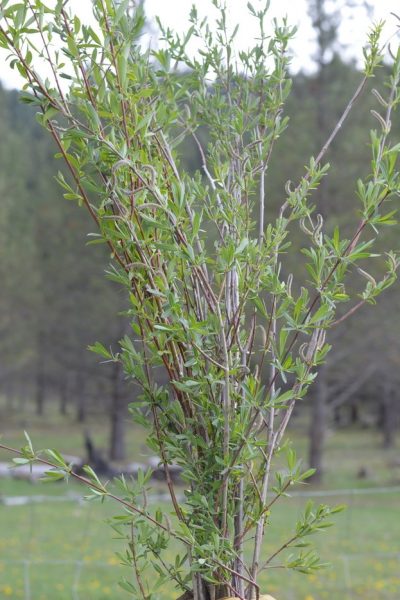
80	398
63	393
337	416
9	393
388	416
354	413
118	408
40	383
318	426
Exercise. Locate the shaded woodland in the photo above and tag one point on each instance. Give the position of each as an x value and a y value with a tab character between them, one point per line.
55	300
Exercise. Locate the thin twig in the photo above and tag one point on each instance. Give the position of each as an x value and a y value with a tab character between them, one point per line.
135	563
348	313
93	485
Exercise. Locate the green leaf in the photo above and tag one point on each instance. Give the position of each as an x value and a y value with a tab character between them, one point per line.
307	474
56	457
28	439
21	461
51	476
243	244
322	314
98	348
91	474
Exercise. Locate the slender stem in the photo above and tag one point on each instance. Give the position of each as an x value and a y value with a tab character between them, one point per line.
49	59
280	549
98	488
342	119
241	576
80	64
117	75
170	484
349	313
136	565
226	405
239	538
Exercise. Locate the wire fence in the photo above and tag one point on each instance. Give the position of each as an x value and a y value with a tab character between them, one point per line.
365	548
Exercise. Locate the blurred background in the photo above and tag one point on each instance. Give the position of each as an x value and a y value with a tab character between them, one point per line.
55	300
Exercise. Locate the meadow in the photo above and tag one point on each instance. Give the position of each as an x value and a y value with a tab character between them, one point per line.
62	548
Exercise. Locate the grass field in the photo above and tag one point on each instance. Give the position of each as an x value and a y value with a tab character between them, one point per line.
65	550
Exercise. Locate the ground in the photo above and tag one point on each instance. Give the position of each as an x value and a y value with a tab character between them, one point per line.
63	549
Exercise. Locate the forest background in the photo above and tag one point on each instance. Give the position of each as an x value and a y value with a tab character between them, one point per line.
55	300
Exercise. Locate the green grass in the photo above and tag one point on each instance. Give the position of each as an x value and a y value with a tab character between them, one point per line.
361	548
55	537
362	544
64	534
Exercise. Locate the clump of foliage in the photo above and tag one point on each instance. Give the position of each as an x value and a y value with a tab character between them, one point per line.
212	308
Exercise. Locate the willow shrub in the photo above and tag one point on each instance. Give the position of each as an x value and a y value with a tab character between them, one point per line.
238	341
